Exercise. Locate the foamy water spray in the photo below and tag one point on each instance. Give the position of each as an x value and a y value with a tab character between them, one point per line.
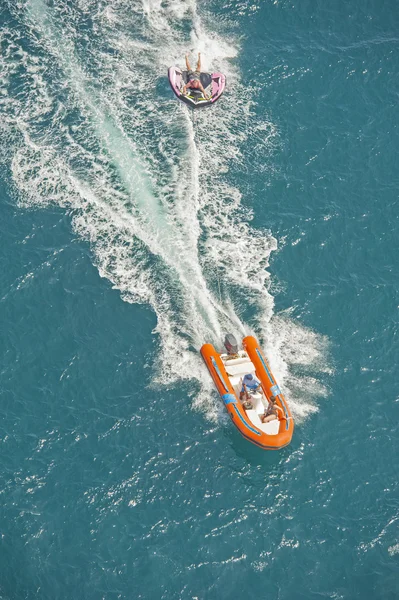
147	188
148	220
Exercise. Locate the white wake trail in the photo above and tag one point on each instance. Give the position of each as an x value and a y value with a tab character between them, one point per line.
96	129
148	220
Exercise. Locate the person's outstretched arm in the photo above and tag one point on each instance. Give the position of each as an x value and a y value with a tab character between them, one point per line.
201	87
280	410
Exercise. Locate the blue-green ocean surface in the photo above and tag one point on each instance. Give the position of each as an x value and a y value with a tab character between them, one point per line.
133	231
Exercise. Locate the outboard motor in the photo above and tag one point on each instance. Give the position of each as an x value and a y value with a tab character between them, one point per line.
230	343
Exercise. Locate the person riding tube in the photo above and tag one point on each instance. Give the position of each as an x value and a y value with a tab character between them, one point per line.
194	81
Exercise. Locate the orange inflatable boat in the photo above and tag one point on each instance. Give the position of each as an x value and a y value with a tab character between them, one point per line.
228	371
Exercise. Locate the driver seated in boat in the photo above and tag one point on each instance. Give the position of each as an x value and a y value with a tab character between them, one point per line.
272	411
249	383
194	80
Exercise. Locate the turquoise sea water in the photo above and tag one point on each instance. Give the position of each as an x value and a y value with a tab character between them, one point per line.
133	231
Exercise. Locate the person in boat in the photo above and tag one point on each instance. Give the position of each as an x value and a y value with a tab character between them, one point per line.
272	411
249	383
194	81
